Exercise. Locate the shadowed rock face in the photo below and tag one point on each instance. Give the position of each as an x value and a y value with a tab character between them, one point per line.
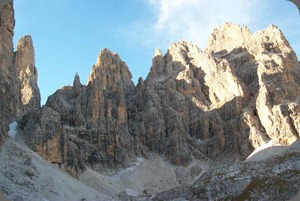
8	73
2	3
220	103
89	123
18	78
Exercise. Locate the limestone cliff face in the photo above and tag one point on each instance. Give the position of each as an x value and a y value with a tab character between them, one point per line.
7	75
277	102
91	123
18	78
27	73
269	68
220	103
190	103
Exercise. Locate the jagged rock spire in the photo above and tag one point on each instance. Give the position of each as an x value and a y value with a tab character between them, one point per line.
76	82
157	53
25	63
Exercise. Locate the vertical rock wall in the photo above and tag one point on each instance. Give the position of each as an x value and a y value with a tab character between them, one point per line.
19	92
27	73
8	101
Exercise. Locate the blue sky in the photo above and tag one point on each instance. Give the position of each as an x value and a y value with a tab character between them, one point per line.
68	36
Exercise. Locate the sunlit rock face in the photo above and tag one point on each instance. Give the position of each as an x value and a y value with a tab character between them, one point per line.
217	104
278	99
268	66
189	103
25	64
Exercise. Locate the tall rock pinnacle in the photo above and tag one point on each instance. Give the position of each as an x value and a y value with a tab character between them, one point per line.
77	82
27	72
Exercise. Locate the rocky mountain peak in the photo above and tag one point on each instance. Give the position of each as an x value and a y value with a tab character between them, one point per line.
110	71
270	40
157	53
178	57
227	37
27	73
140	85
182	52
158	64
76	82
25	49
105	57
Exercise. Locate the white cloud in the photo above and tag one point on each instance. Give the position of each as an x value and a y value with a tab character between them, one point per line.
193	20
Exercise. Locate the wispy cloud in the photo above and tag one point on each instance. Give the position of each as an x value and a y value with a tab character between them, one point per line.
194	20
